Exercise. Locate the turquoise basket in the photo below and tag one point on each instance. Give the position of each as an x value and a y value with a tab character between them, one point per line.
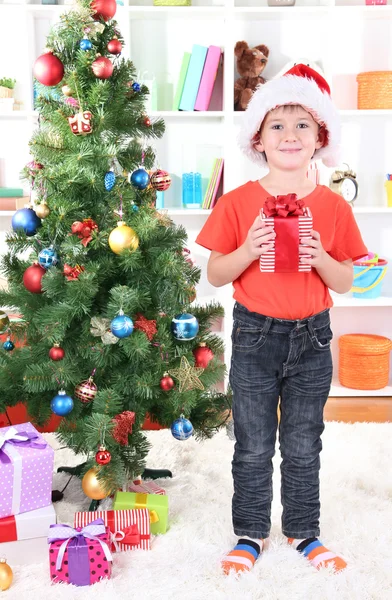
368	279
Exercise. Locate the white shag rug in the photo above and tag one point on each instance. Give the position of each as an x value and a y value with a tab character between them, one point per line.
356	495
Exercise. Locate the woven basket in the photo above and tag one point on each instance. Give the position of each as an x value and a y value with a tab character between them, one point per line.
374	89
172	2
6	92
364	361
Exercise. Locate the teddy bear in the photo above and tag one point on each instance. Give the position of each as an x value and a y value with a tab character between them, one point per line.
251	62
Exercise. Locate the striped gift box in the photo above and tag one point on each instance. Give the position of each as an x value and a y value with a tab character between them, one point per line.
130	529
273	260
145	487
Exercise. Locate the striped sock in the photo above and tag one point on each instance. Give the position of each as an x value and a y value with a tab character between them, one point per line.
243	556
318	554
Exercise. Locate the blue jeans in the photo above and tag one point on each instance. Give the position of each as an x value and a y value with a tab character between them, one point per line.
272	359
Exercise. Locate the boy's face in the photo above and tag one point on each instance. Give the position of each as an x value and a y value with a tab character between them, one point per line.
289	137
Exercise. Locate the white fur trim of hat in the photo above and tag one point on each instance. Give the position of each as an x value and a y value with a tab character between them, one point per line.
300	85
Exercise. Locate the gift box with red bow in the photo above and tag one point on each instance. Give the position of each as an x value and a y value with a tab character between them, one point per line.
129	529
291	221
80	556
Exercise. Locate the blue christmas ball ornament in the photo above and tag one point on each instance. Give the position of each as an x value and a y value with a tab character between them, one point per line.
48	257
121	326
62	404
110	180
135	208
85	44
136	87
8	345
184	327
182	429
140	179
26	219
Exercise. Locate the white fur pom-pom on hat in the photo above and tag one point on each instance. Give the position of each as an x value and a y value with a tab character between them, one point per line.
300	85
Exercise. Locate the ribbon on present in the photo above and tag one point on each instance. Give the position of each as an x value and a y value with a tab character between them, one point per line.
284	206
75	540
141	502
286	211
9	442
127	536
8	531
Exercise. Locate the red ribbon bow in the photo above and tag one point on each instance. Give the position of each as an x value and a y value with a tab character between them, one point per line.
284	206
84	229
131	536
72	273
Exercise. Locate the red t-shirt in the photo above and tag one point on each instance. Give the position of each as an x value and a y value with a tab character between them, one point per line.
282	295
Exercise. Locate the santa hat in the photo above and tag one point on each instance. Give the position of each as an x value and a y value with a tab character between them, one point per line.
300	85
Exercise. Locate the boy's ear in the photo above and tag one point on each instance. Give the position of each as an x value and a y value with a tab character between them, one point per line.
322	138
258	144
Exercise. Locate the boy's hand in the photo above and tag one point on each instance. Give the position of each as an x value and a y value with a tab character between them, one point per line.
259	234
316	250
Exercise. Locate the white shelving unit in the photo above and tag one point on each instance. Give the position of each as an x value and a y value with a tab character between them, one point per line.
344	37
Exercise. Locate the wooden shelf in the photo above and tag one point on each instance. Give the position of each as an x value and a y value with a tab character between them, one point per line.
187	212
181	114
345	301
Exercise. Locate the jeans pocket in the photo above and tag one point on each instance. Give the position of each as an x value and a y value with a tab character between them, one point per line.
246	338
322	337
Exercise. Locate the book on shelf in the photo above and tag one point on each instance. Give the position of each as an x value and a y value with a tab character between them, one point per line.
208	78
13	203
181	80
215	185
193	77
6	192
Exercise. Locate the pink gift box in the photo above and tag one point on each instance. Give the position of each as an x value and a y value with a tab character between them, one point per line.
284	256
80	556
130	529
145	487
26	470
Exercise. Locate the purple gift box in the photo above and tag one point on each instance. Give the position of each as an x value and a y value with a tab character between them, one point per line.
26	470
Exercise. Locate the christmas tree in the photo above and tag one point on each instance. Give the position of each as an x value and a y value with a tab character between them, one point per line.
103	281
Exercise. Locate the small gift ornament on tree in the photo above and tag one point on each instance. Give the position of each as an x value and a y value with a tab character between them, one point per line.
80	123
291	221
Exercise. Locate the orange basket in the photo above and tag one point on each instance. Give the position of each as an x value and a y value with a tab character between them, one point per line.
364	361
374	89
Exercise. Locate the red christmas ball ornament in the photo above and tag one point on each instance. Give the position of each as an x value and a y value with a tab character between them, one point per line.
77	226
203	356
32	278
114	46
86	391
104	8
103	456
48	69
102	67
160	180
147	121
166	383
56	353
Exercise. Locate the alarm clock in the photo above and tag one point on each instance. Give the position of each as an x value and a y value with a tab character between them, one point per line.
345	184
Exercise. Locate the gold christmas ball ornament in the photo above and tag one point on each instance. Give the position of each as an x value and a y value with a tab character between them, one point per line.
42	210
4	321
66	90
123	238
92	487
6	575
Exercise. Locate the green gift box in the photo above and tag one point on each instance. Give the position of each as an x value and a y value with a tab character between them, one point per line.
157	505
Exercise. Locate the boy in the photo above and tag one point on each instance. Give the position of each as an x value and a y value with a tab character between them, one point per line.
281	331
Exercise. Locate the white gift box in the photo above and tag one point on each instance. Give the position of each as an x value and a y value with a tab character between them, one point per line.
26	536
